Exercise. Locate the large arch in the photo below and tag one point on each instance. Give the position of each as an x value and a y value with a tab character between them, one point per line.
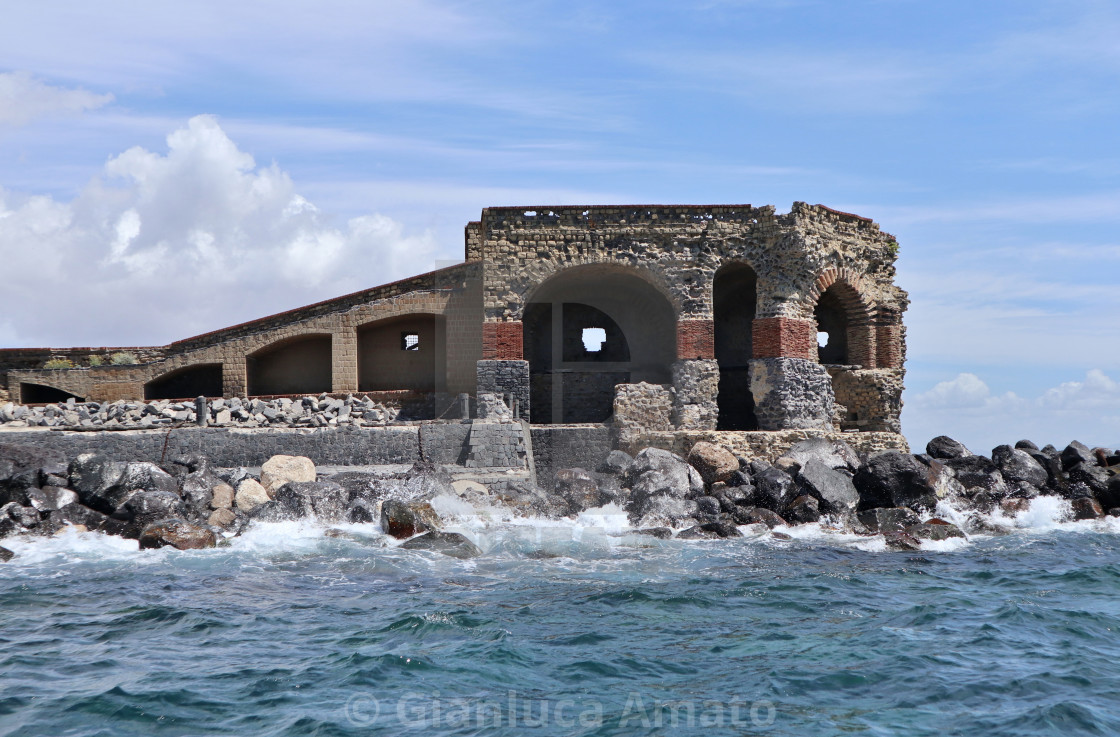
588	329
406	352
734	298
186	383
300	365
30	393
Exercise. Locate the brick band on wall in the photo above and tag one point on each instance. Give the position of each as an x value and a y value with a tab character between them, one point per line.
784	337
502	341
696	339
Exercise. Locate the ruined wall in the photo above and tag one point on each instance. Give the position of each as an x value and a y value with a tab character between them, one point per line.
766	446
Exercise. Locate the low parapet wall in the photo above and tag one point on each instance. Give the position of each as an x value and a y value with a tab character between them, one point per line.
767	445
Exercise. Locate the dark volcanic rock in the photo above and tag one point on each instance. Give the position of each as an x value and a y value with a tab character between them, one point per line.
944	447
448	543
615	463
761	515
272	511
680	478
1075	453
1086	508
935	529
50	498
578	490
804	509
324	500
22	468
1018	466
1096	478
402	519
894	479
1110	498
1026	445
1015	506
78	514
178	534
145	507
888	519
6	555
661	533
774	489
95	478
835	490
978	473
902	541
709	506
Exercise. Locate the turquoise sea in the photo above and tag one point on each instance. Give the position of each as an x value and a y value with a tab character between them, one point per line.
566	629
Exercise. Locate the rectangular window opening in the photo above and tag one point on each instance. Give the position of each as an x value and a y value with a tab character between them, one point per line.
593	339
410	341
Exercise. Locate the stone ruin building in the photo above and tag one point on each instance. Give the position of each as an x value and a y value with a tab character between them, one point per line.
659	322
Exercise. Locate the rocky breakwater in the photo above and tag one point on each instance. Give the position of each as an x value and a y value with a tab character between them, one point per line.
309	411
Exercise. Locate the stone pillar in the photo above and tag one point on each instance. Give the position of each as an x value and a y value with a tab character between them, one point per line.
506	377
235	378
695	390
344	360
791	394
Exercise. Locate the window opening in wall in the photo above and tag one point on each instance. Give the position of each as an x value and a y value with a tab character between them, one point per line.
410	341
822	340
593	339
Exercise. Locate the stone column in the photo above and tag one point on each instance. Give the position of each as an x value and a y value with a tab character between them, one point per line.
506	377
791	389
235	377
344	360
695	391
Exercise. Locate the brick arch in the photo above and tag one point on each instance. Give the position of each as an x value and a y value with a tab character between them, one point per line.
847	286
281	367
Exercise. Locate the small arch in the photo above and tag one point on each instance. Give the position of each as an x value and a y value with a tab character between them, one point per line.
42	394
299	365
203	380
403	353
844	319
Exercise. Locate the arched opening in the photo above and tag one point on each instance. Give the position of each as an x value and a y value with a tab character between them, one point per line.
588	329
296	366
40	394
832	327
403	353
734	294
187	383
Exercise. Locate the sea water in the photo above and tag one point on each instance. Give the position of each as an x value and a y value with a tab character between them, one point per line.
566	628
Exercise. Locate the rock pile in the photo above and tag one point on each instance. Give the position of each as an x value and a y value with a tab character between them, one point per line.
321	411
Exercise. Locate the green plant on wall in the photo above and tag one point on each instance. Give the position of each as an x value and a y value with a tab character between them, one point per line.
893	247
123	359
96	360
59	363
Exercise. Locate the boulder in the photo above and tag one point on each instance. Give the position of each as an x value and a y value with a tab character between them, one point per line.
833	489
223	495
147	476
1086	507
902	541
250	495
935	529
6	555
91	519
96	480
272	511
282	469
979	474
665	511
661	533
761	515
943	480
682	478
804	509
50	498
710	531
713	462
578	490
1014	506
22	517
944	447
145	507
1095	477
615	463
774	489
1075	453
448	543
221	518
894	479
197	491
402	519
23	467
1018	466
709	506
1026	445
178	534
696	532
324	500
1110	498
888	519
830	453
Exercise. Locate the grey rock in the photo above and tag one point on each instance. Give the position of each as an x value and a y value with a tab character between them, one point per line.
615	463
578	490
448	543
51	498
978	473
178	534
829	453
774	489
944	447
833	489
1075	453
804	509
6	555
935	529
1017	466
324	500
888	519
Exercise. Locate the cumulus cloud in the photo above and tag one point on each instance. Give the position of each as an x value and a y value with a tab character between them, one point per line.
24	98
966	408
163	245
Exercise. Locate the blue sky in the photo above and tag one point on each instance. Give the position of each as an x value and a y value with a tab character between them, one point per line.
167	170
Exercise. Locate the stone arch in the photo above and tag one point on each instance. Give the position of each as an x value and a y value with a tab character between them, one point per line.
539	274
840	310
186	382
32	393
734	306
296	365
572	381
406	352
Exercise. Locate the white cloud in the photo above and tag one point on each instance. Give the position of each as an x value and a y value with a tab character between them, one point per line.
967	409
24	98
166	245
